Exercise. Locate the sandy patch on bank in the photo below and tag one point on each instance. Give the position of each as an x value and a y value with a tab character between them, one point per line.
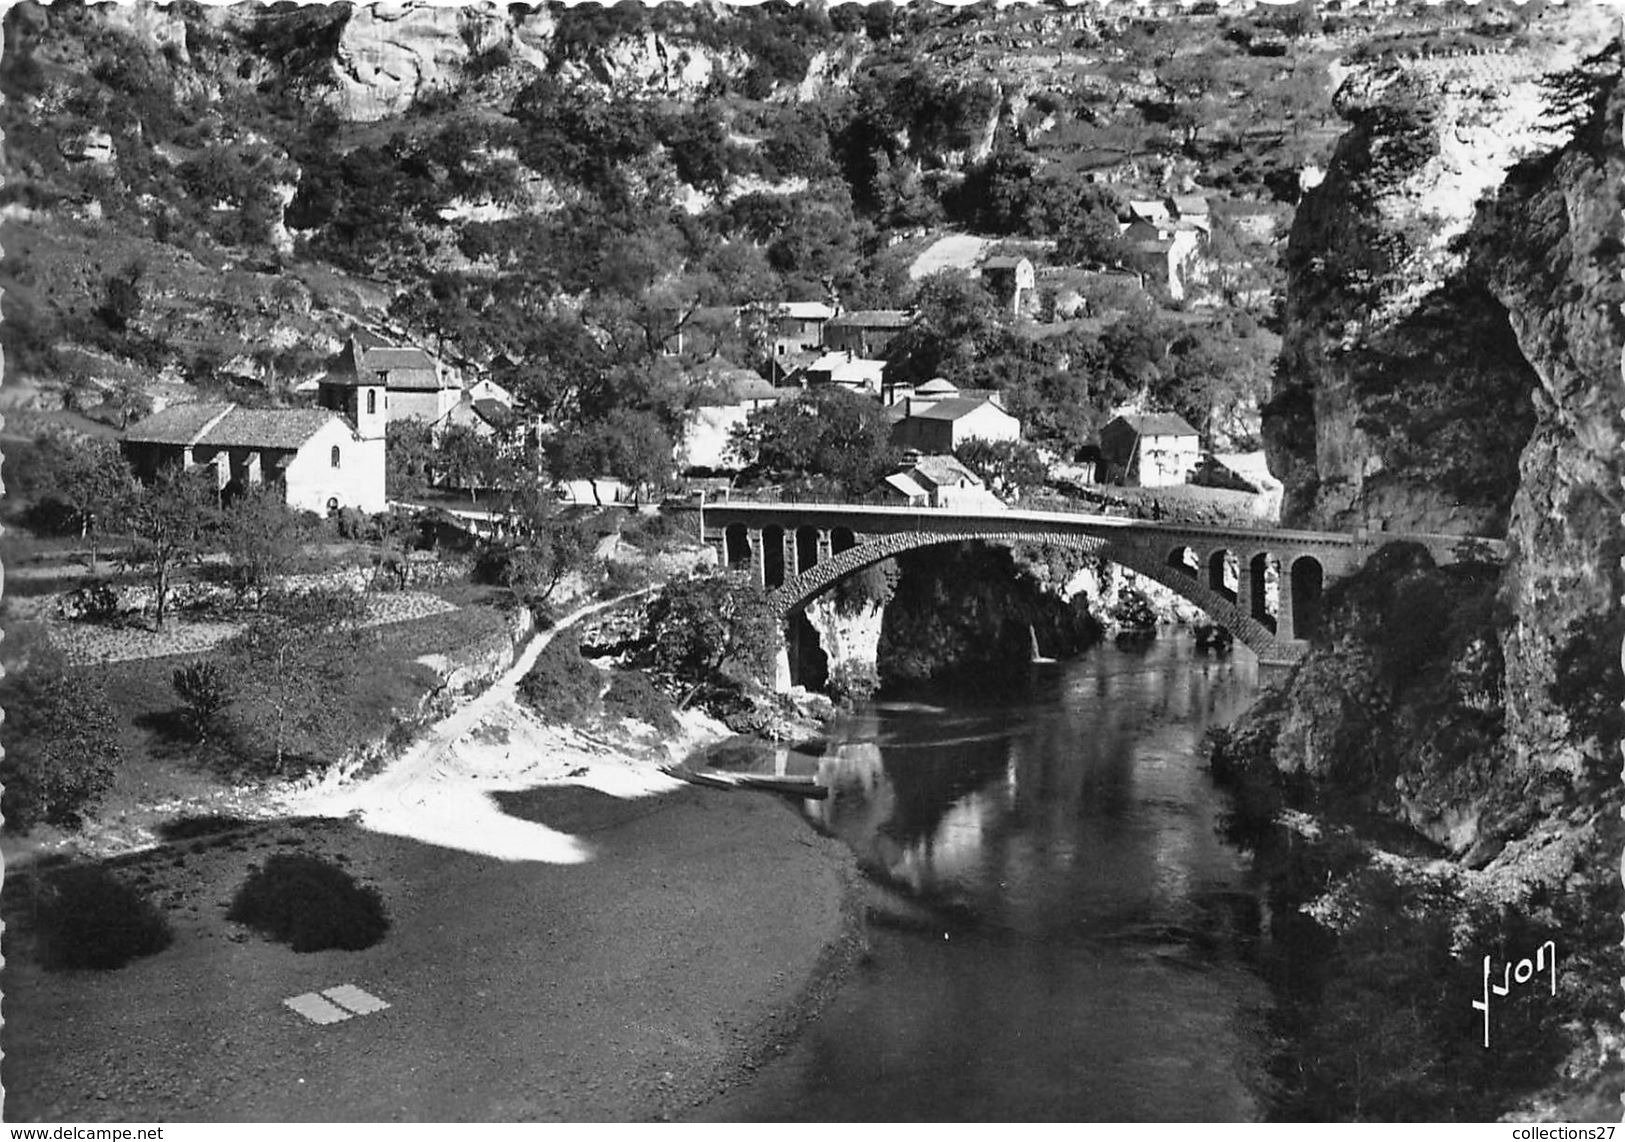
442	790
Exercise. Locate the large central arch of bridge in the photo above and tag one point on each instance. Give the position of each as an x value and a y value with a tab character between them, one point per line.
798	551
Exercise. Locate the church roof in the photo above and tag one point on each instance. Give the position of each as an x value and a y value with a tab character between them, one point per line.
228	426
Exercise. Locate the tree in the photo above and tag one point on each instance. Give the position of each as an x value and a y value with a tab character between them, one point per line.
956	323
632	445
130	397
94	482
170	520
122	297
714	628
1088	233
302	649
61	744
825	435
262	537
467	460
408	458
545	544
1009	467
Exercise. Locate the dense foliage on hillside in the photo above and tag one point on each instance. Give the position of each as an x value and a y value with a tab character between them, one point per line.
544	218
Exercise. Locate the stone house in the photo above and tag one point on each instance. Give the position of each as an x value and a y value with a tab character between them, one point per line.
845	370
865	332
937	481
1150	449
941	426
1011	280
708	427
797	327
319	459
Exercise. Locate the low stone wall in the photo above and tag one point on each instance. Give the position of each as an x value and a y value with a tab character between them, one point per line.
481	662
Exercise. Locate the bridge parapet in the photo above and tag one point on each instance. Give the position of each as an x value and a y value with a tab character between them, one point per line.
1263	584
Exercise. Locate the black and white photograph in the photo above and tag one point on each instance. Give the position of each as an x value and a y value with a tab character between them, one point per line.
808	562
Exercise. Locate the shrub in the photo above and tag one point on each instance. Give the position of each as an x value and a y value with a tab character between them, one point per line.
632	695
88	918
310	905
204	686
1133	611
61	745
853	681
622	579
562	686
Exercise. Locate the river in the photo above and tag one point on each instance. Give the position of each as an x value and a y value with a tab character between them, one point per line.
1060	934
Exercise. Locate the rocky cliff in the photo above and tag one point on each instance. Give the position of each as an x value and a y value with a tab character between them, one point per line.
1452	357
1452	362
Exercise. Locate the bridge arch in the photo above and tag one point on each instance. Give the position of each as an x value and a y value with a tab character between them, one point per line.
797	592
1259	569
1224	574
806	548
773	576
1184	560
1307	582
736	545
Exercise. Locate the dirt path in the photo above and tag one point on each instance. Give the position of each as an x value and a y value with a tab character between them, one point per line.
440	790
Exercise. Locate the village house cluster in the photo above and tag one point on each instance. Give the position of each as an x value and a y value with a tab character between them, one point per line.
332	456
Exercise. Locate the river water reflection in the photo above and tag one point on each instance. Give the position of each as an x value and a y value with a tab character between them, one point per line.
1060	933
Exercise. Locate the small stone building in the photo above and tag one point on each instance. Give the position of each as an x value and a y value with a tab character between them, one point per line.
1150	449
1012	281
865	332
941	426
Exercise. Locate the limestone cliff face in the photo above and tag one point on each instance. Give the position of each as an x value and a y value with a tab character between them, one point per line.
1552	256
1403	393
389	54
1452	363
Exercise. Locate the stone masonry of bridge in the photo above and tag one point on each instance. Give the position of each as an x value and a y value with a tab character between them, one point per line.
797	551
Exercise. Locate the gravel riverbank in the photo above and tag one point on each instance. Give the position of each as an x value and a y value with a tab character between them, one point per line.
628	986
575	936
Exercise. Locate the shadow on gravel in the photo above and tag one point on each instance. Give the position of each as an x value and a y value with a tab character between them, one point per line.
575	809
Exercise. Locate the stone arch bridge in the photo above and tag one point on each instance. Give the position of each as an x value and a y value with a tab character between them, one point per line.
1263	584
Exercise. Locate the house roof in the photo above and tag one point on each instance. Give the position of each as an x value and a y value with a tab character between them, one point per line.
873	319
1149	209
937	385
493	410
844	361
1157	424
1190	204
737	386
396	368
953	408
905	484
227	426
806	310
943	470
1003	263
